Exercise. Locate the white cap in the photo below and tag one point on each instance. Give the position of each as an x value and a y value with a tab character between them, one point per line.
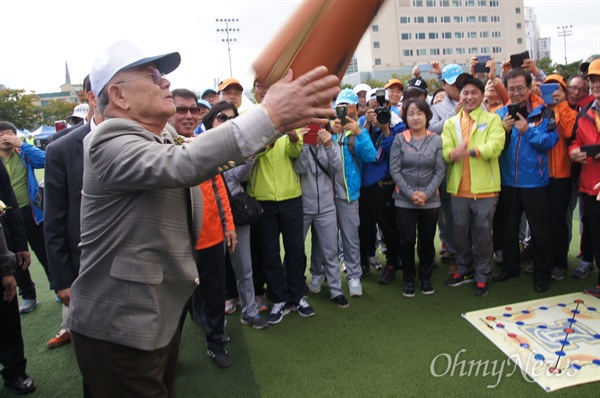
124	55
80	111
361	87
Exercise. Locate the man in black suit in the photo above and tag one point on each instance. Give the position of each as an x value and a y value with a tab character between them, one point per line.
62	202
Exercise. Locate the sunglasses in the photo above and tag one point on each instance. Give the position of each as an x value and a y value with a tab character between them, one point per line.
223	117
157	77
182	110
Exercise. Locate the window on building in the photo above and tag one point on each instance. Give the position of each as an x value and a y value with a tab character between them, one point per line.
460	51
352	67
433	35
419	19
494	3
446	35
472	50
445	19
496	34
483	18
482	3
444	3
497	50
419	36
434	51
377	61
518	10
432	19
430	3
495	18
447	51
375	44
459	35
519	40
375	28
471	35
458	19
407	53
484	35
417	3
421	52
404	19
485	50
519	25
406	36
470	3
456	3
471	19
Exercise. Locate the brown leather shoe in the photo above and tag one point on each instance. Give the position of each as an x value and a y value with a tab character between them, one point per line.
61	338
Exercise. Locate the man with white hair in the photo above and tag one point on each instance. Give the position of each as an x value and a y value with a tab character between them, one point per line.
139	214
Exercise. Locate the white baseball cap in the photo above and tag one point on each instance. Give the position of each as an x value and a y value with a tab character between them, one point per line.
124	55
361	87
80	111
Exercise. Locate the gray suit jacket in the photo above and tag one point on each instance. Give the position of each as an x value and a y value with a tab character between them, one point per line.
137	234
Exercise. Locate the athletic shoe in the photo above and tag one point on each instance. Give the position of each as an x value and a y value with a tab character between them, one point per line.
426	287
583	269
355	287
303	308
61	338
480	289
530	268
557	273
231	305
340	301
409	289
278	311
458	279
28	305
21	385
262	304
256	322
315	283
593	290
388	275
219	356
375	263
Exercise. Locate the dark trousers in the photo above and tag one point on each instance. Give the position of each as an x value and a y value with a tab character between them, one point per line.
376	205
258	272
592	223
536	205
35	237
284	283
12	355
231	291
559	191
114	370
209	298
585	245
411	222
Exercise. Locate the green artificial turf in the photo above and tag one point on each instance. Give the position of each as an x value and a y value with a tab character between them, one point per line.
383	345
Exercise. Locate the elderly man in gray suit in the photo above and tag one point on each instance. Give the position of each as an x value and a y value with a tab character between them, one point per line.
139	214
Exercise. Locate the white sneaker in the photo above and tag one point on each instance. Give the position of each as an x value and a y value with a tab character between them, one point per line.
315	283
355	287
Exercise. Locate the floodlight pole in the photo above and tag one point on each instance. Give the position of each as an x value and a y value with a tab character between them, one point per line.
228	31
566	31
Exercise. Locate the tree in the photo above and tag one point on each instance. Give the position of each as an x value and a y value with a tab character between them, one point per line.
55	110
18	108
545	64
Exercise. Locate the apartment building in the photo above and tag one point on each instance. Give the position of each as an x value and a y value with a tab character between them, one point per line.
409	32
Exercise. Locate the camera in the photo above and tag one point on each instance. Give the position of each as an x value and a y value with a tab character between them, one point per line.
383	112
341	110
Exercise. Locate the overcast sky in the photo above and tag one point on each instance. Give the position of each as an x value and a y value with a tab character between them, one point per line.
38	36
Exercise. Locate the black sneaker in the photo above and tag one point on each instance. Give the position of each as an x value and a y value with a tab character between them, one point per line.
341	301
304	309
256	322
219	356
388	275
21	385
426	286
278	311
458	279
409	289
480	289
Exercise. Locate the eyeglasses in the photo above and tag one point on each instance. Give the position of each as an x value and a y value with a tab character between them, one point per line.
182	110
157	77
223	117
519	89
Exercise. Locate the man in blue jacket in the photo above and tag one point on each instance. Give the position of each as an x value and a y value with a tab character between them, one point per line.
21	159
524	177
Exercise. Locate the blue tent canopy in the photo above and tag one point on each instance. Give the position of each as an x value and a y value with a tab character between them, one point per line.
44	132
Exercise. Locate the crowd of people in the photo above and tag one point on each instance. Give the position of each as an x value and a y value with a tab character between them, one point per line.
162	204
